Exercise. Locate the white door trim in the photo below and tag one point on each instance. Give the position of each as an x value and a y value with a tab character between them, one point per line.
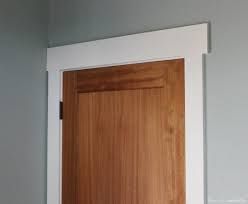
189	42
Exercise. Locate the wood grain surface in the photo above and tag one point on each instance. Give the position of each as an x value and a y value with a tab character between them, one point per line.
123	135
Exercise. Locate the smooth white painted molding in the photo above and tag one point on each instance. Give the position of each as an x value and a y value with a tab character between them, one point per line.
176	42
189	42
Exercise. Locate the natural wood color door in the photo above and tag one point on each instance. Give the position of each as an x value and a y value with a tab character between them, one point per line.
123	135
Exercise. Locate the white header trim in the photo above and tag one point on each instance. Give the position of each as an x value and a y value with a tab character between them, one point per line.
176	42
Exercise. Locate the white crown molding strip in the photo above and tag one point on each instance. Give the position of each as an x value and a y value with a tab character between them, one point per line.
169	43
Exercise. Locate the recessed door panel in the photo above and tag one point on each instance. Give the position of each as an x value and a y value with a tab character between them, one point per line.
123	135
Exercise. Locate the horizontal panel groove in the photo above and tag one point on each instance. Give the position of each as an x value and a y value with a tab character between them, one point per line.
124	77
116	89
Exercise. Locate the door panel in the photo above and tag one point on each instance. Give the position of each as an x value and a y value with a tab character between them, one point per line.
123	135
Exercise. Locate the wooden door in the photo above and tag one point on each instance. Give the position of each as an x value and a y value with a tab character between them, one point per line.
123	135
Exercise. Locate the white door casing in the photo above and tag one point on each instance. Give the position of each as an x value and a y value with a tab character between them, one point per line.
189	42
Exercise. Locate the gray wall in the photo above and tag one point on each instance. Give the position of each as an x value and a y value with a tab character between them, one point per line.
226	68
23	39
